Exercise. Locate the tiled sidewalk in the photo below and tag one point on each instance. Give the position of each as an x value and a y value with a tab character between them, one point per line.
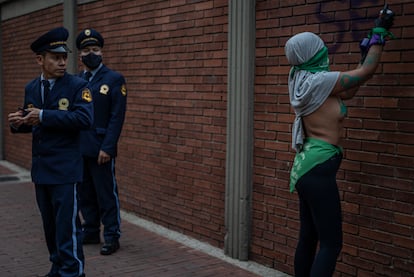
143	253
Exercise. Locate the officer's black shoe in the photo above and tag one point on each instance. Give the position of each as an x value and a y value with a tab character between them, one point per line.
89	239
110	247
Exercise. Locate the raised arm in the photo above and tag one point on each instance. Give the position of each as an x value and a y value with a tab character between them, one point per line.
371	48
349	82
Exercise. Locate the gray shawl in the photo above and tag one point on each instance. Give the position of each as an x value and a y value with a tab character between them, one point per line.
307	91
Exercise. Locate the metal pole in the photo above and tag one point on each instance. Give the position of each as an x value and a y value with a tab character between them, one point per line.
239	145
1	93
70	23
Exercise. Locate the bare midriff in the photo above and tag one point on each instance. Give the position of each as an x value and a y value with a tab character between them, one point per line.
326	123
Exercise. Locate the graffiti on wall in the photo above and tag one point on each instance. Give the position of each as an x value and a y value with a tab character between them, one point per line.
354	15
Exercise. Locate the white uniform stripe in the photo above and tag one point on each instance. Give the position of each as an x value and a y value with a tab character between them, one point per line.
114	191
74	237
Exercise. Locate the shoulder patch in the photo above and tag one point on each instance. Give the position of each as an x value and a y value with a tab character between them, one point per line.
86	95
124	90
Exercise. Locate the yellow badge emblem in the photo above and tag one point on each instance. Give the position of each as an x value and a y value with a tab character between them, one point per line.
86	95
104	89
124	90
63	104
30	106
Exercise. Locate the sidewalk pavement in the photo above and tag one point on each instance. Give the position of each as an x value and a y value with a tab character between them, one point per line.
147	250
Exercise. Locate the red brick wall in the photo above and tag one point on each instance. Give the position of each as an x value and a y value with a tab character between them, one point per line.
19	68
171	164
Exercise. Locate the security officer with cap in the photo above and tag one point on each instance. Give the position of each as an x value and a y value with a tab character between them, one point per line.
99	191
56	107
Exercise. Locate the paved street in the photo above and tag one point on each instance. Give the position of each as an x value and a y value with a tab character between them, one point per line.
143	253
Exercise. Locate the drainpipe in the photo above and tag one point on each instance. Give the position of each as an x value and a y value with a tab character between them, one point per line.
1	92
70	23
239	145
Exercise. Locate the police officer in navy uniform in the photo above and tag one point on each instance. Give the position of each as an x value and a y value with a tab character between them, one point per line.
57	106
99	201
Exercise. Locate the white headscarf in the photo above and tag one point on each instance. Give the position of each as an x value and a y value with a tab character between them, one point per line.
307	91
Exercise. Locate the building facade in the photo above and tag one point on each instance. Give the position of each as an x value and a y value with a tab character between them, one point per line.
205	148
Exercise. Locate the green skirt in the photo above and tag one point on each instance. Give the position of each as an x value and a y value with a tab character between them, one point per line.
314	152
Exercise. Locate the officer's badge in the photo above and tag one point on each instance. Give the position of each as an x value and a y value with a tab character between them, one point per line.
104	89
124	90
63	104
30	106
86	95
87	32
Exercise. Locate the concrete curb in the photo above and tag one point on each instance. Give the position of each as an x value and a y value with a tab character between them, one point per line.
200	246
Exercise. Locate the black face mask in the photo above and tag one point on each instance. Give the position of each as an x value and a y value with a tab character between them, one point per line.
92	60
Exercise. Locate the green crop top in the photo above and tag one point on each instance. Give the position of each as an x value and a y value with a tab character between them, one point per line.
314	152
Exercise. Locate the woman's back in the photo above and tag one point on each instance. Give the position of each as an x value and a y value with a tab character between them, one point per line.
327	121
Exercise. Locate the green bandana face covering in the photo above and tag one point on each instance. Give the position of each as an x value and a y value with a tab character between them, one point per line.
319	62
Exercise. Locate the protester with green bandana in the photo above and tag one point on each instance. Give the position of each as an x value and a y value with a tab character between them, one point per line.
316	96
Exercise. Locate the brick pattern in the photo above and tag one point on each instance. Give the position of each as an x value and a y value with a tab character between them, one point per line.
172	150
171	163
142	253
20	67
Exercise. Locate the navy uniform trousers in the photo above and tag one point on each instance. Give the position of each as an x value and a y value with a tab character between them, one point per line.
61	225
99	201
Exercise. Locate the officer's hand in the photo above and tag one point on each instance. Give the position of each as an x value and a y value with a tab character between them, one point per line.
385	19
33	117
15	119
103	157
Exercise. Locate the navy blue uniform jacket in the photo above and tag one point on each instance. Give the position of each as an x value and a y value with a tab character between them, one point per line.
56	156
109	97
